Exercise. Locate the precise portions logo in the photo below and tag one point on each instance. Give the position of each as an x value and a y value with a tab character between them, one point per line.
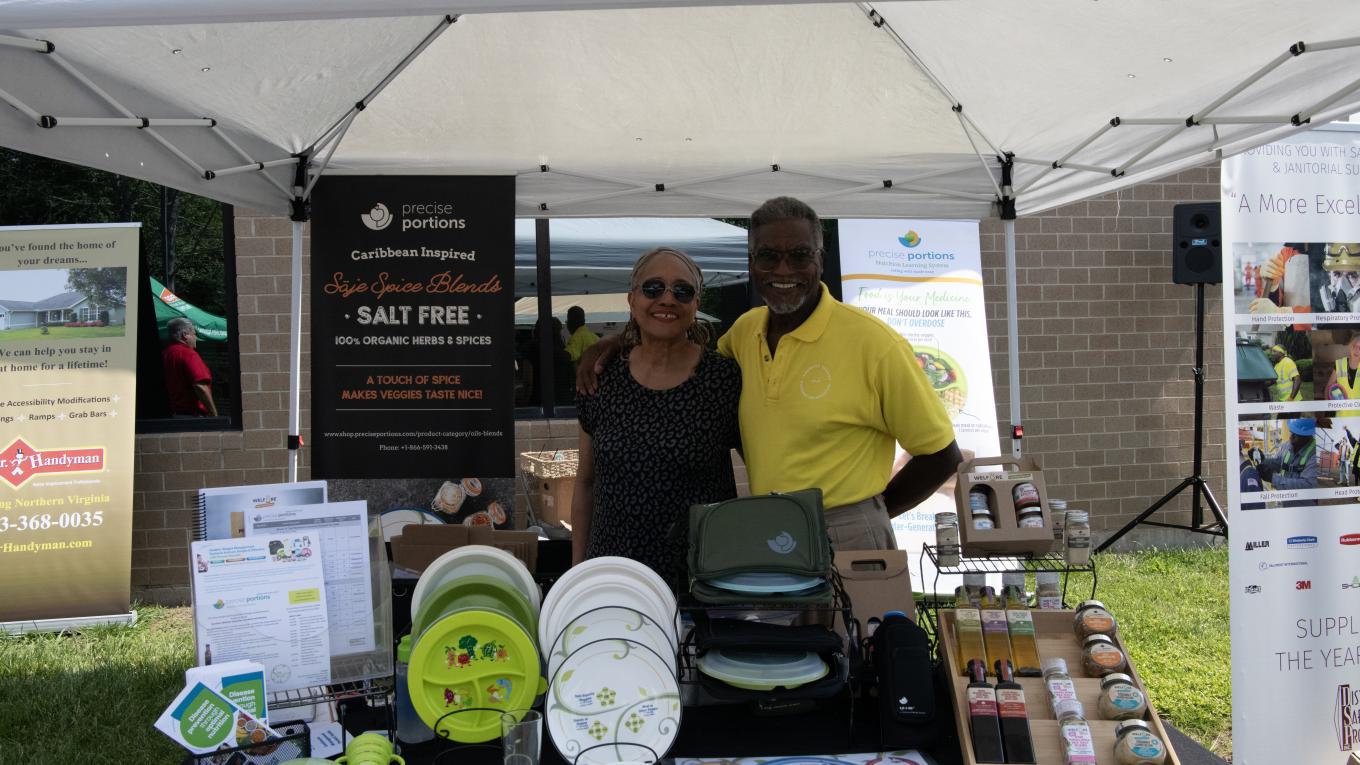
783	543
1346	717
1350	539
378	218
19	461
1257	545
910	239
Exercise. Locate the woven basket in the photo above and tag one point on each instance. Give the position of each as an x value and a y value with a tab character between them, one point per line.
542	464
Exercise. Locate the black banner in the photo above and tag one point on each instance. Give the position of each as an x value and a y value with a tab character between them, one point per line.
413	326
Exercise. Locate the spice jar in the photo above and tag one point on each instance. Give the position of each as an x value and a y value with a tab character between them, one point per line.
1057	516
947	539
1030	518
1136	744
1048	590
1120	699
1026	495
1100	656
1093	618
980	510
1077	742
1077	529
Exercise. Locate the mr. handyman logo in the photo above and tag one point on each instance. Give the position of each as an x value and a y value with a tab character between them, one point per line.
20	461
378	218
910	239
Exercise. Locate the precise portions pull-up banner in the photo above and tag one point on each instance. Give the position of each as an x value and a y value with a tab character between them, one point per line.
413	326
1291	335
68	362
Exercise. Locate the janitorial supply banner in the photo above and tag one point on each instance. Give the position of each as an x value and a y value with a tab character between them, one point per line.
924	278
413	326
68	360
1291	296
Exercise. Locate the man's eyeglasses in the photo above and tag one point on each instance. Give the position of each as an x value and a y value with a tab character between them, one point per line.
802	257
655	288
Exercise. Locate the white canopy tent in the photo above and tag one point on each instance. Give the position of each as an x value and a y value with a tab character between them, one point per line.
963	109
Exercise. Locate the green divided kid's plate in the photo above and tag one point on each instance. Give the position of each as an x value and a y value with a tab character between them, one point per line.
471	660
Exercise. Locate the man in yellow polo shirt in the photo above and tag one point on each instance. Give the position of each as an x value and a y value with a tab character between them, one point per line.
827	390
581	336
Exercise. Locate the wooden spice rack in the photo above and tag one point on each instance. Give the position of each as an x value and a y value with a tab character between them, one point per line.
1053	631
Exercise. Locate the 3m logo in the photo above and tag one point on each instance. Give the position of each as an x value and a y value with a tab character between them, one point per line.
19	461
1303	584
1350	539
1257	545
378	218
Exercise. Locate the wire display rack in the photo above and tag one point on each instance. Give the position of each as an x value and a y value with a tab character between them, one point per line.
1047	563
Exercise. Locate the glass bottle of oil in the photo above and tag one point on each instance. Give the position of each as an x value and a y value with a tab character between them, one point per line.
995	632
1024	646
967	630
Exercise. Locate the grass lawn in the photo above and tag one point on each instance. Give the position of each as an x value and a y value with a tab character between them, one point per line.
1172	608
91	698
60	333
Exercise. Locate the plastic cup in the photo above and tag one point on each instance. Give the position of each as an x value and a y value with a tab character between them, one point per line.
521	736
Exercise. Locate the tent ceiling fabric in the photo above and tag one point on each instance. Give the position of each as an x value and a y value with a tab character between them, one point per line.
617	97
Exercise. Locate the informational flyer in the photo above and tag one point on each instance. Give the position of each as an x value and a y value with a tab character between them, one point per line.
1291	334
924	279
68	359
222	510
342	530
413	326
263	599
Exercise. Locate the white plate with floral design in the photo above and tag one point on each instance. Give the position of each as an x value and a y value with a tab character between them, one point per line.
600	589
617	692
610	622
648	585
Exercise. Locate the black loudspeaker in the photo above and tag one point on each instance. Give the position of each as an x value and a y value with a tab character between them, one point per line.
1197	244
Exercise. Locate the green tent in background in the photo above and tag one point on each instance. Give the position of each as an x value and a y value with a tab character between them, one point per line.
170	306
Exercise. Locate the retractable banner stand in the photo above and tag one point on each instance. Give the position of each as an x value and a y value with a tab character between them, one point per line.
68	360
924	279
413	326
1291	292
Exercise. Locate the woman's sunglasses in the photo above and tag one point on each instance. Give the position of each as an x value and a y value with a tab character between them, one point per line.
655	288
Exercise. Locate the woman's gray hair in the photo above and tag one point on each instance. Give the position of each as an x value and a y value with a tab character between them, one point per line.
699	331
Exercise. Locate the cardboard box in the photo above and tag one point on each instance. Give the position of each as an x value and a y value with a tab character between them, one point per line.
998	476
554	499
419	545
877	581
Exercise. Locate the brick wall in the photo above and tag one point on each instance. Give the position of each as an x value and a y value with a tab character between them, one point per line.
1106	344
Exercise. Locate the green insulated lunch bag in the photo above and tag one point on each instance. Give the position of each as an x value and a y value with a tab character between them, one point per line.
775	533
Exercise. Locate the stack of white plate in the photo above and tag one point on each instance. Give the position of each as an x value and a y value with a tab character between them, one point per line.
610	631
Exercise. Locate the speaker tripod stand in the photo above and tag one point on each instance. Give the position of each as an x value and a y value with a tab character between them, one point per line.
1195	481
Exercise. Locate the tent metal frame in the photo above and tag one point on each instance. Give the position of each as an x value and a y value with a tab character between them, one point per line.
309	164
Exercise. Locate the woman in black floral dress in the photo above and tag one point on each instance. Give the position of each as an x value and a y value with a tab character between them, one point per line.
656	435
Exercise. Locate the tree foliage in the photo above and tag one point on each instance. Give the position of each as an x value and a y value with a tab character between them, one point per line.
39	191
105	287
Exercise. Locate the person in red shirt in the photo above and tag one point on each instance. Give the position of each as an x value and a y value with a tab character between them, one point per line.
187	379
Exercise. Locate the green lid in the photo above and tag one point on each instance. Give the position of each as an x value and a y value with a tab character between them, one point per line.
404	649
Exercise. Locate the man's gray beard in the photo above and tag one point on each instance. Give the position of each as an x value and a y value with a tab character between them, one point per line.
786	308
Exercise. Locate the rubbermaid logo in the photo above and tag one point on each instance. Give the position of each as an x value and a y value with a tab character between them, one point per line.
1350	539
378	218
782	544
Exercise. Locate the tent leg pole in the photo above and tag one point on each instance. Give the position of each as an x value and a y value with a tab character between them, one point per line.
295	356
1012	335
